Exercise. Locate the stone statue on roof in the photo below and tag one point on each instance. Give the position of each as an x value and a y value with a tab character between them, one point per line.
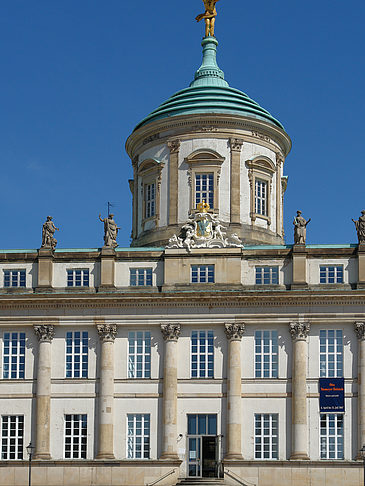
48	230
360	227
300	229
209	16
110	231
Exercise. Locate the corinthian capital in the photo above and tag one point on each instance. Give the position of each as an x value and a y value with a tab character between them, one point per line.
236	144
107	332
234	332
360	330
44	332
299	330
174	145
170	332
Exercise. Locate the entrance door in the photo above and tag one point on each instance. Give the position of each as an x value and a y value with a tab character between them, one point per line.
209	457
194	458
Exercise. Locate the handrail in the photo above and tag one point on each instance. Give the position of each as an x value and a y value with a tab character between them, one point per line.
238	478
162	477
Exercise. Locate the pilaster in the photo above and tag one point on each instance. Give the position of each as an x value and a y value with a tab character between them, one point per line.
174	146
45	334
299	256
107	333
107	269
45	269
170	333
235	205
278	184
361	266
360	333
234	333
299	332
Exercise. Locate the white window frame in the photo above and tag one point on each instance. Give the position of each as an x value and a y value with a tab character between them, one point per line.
12	441
261	192
133	437
331	436
262	169
139	354
78	441
202	354
202	273
337	274
267	272
149	172
84	274
144	273
266	441
77	354
15	352
266	353
331	353
150	200
206	179
16	277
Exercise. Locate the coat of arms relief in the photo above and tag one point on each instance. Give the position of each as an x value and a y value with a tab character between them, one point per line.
204	230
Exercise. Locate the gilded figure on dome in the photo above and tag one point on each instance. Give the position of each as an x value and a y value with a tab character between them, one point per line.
209	16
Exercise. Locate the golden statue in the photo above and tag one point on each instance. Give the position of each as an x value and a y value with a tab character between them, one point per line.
203	206
209	16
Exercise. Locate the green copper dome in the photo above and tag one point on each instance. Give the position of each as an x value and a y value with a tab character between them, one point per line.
209	93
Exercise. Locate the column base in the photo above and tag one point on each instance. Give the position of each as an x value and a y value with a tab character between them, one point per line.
166	456
105	456
42	456
233	457
299	456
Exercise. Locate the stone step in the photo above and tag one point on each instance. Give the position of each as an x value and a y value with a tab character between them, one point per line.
201	482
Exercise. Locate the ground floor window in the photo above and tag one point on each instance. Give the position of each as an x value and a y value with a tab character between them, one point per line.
332	436
138	440
12	431
75	436
266	436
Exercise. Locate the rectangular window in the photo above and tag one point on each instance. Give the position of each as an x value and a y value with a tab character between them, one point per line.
77	352
202	354
331	353
12	432
78	277
331	274
260	197
332	436
204	189
138	440
76	436
14	278
140	277
139	354
202	274
266	354
14	355
150	200
266	436
267	275
202	424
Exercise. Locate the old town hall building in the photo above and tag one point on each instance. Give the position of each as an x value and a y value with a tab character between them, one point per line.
204	349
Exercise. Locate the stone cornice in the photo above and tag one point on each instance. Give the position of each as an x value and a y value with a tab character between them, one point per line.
184	299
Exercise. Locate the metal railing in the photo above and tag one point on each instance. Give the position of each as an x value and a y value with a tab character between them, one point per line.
239	480
161	478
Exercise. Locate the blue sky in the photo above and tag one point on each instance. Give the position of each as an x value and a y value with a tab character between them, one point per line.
78	75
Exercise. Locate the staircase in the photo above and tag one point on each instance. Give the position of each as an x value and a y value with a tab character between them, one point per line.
201	482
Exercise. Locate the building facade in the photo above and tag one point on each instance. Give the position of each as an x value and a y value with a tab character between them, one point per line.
198	351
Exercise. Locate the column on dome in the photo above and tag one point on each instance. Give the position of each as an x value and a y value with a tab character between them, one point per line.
360	332
234	333
235	203
174	146
45	334
170	333
299	333
107	333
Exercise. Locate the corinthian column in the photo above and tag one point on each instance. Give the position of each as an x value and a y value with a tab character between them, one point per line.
107	333
299	332
171	333
45	334
234	333
360	332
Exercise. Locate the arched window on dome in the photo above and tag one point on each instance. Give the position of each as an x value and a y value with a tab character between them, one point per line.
261	170
149	174
204	172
